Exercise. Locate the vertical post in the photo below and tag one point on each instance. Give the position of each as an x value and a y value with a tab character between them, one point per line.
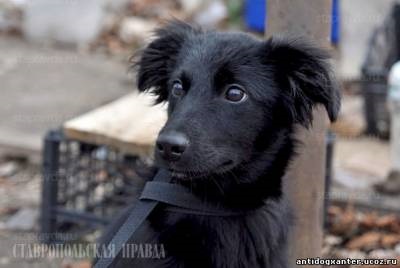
395	134
394	107
305	188
49	185
330	144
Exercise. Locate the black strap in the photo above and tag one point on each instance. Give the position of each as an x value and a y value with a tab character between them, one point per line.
138	215
180	199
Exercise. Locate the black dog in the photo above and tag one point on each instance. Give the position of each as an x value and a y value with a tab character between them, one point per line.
233	104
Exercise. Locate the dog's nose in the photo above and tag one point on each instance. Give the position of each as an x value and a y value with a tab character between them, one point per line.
171	145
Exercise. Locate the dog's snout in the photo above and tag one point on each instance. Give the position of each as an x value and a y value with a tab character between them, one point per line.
171	145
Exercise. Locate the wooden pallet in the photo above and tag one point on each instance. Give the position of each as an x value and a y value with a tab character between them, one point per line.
129	124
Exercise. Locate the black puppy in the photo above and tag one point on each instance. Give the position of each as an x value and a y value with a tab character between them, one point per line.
233	102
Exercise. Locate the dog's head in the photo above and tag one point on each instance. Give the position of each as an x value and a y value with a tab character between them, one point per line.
228	92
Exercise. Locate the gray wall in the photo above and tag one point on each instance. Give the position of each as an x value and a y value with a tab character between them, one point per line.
358	20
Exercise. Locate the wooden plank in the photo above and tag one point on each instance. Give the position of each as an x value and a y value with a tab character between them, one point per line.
130	124
306	186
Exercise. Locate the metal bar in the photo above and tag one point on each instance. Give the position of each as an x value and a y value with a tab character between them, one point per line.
330	144
49	185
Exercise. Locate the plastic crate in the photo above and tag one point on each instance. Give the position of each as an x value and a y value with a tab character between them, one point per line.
84	187
255	14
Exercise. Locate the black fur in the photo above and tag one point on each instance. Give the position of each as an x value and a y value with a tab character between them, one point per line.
238	152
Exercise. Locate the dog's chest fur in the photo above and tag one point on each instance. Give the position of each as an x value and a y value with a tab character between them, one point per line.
257	239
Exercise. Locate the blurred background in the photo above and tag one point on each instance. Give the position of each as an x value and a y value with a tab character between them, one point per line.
62	58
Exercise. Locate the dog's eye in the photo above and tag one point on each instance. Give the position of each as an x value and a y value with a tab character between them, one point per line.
177	89
235	93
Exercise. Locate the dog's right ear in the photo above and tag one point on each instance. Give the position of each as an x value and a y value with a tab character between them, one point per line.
159	58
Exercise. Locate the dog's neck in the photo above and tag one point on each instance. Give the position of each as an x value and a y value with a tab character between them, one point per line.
251	184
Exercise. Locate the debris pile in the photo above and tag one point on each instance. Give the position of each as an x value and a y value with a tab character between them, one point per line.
133	25
358	235
109	26
17	208
10	17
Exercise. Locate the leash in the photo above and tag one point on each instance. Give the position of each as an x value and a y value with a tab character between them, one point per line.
176	198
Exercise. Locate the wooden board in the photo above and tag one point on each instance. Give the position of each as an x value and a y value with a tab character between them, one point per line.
306	186
129	124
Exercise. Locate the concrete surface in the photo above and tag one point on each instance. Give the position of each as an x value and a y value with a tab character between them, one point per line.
365	157
43	87
9	258
77	22
359	164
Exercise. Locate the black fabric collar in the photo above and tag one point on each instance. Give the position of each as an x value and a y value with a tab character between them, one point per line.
179	199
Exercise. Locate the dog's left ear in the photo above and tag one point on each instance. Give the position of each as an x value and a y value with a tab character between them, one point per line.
303	74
